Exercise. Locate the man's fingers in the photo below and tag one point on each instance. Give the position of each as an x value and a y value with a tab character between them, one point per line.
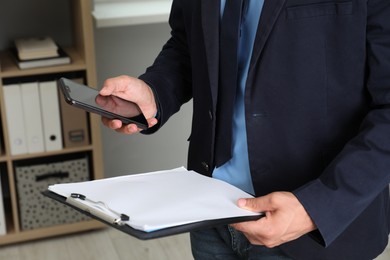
117	125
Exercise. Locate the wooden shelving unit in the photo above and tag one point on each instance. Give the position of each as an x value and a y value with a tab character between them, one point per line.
83	62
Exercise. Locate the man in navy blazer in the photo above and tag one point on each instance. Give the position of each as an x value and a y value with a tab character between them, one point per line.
317	114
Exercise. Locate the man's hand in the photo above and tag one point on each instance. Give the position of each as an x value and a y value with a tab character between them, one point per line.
285	219
134	90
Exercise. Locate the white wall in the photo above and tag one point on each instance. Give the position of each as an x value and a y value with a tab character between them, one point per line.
129	50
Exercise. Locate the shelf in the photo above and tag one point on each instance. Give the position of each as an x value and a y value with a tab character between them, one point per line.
131	13
63	151
82	66
14	237
9	69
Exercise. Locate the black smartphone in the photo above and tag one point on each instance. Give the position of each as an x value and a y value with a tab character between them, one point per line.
112	107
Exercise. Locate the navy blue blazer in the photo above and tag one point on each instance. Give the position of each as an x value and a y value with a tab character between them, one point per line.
317	107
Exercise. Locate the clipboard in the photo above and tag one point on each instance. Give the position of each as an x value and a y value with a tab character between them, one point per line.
156	204
142	235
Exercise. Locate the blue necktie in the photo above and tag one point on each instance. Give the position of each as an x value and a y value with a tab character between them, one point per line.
228	71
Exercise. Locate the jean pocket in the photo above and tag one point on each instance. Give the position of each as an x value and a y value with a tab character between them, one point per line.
320	9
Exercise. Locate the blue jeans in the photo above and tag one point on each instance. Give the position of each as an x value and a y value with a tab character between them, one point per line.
226	243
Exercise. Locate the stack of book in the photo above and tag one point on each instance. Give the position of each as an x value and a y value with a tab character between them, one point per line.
38	52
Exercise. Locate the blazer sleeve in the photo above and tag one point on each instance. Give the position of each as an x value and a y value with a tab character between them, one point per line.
361	171
170	75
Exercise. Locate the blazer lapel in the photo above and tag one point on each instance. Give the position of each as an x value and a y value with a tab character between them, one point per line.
270	13
210	22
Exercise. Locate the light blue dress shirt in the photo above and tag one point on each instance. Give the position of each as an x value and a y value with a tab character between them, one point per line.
236	171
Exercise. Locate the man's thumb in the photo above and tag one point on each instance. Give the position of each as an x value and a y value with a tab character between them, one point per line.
249	204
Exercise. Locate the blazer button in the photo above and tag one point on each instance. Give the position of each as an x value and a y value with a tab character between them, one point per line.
210	115
205	166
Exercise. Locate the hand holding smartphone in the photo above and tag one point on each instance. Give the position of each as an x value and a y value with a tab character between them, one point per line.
112	107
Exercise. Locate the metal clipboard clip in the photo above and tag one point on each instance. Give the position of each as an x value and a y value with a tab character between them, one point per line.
97	208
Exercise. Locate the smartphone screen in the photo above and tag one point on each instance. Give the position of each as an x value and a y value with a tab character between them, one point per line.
112	107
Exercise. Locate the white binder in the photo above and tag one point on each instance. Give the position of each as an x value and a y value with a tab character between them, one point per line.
15	119
3	226
32	117
50	115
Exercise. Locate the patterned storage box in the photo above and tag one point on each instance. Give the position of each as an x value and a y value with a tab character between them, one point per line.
36	210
